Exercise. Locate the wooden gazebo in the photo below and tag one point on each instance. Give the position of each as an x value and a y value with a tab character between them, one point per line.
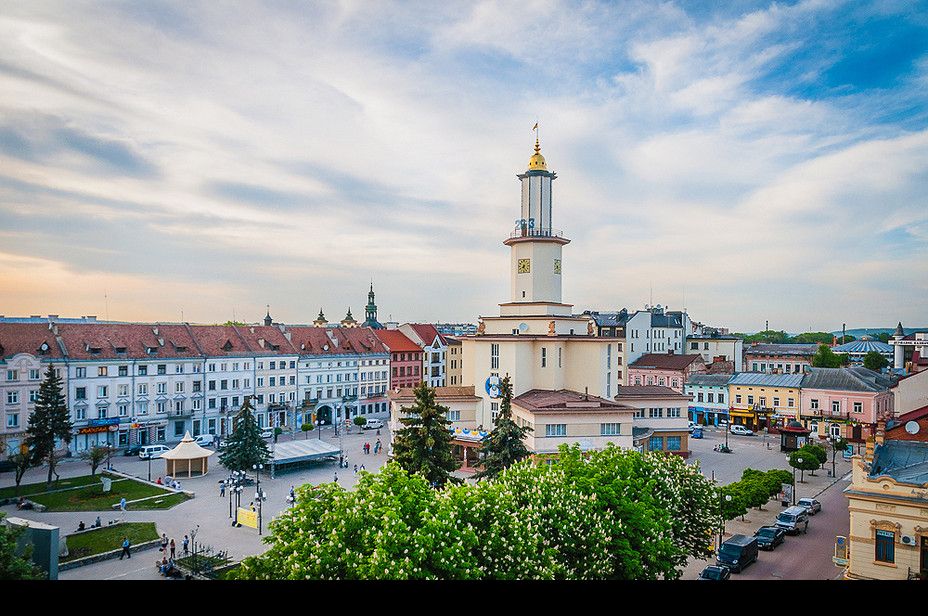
187	456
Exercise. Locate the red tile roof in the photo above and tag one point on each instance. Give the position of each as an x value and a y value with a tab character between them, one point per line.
665	361
107	340
18	338
427	332
535	400
266	340
647	391
335	340
397	341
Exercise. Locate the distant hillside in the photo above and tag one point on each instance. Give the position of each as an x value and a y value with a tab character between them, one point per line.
873	331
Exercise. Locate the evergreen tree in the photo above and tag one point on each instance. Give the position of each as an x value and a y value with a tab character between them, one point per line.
50	421
423	446
505	445
244	447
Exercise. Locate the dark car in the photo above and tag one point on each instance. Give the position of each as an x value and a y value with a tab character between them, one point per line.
715	572
737	553
132	450
769	537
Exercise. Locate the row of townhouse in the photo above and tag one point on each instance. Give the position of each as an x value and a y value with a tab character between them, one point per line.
131	383
830	402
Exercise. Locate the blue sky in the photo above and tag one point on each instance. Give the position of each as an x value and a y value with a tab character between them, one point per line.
754	160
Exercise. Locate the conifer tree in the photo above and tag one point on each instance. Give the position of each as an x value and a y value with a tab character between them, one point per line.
505	445
423	446
244	447
50	421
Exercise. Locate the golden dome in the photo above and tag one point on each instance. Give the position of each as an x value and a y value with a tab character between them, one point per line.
537	161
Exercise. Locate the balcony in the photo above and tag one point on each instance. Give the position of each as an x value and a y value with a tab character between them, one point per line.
183	413
525	231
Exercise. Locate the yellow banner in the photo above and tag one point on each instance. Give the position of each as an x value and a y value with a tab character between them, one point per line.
247	517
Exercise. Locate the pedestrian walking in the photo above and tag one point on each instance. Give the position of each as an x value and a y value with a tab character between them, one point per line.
122	504
125	548
164	543
292	494
186	544
362	467
341	460
336	477
173	548
222	489
355	469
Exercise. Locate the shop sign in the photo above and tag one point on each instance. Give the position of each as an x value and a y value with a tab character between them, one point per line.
93	429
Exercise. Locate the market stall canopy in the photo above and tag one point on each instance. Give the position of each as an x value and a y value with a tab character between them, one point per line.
182	457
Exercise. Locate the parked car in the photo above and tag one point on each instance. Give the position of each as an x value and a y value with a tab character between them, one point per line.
715	572
152	451
132	450
205	440
769	537
740	430
811	505
692	427
737	553
267	433
794	520
373	424
696	433
722	422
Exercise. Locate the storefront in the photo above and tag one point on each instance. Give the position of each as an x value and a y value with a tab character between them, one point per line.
97	433
707	415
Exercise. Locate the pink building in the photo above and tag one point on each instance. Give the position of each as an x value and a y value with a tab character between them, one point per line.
844	402
665	369
405	358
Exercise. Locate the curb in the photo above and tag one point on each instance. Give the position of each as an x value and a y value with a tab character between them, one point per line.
89	560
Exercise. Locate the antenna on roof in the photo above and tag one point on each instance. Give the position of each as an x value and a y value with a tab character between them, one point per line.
181	315
106	306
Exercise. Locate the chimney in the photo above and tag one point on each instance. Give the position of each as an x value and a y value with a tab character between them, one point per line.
843	331
670	351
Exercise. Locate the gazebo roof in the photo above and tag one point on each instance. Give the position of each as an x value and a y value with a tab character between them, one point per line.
187	449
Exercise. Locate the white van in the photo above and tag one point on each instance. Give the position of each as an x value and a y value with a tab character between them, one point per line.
152	451
205	440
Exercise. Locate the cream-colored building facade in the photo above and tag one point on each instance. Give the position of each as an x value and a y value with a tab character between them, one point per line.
888	504
536	340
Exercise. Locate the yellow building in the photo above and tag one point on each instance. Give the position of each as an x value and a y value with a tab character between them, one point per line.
453	359
536	340
888	504
758	399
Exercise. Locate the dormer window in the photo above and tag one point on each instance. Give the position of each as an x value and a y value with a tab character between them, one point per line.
94	351
120	349
227	346
151	350
181	349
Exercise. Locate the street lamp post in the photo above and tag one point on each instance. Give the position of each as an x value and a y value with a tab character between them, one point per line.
149	466
721	517
798	460
257	468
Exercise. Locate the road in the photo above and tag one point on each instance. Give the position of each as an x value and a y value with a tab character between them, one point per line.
807	557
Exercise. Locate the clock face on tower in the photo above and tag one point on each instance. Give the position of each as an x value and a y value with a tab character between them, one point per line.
525	266
557	266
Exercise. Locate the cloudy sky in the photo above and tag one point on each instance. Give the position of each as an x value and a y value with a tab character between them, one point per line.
761	161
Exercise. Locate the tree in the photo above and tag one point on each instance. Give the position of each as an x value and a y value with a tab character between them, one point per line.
244	447
359	421
768	335
21	462
95	456
734	506
48	423
505	445
875	361
817	452
810	337
826	358
837	444
423	445
612	514
809	462
15	566
307	428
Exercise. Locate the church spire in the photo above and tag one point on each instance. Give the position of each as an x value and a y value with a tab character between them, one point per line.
267	318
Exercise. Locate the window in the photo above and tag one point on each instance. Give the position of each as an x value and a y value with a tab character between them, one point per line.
610	429
721	398
813	404
162	388
738	399
662	381
101	371
80	414
143	370
656	443
102	391
12	397
673	412
123	410
555	429
179	405
143	389
123	370
34	375
162	368
211	403
885	546
122	390
639	413
694	346
224	384
494	356
858	407
101	412
494	410
454	415
544	357
710	397
141	408
33	395
750	399
762	401
655	413
79	373
673	443
178	368
196	386
80	393
273	366
835	406
12	420
558	357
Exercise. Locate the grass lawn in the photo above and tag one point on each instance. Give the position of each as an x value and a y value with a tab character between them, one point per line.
93	498
159	503
108	538
28	489
226	574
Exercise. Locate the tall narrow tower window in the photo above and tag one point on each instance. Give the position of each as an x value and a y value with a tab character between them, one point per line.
544	357
494	357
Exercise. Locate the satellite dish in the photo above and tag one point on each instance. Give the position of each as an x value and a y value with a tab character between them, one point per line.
912	427
523	327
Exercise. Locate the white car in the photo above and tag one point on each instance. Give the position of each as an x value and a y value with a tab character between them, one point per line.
373	424
152	451
692	427
741	430
205	440
267	433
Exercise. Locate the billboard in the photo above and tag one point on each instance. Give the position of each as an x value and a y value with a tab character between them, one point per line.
247	517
